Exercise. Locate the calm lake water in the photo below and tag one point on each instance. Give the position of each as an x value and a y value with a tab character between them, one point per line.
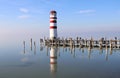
17	61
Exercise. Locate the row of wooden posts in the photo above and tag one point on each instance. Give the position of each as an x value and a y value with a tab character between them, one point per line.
79	42
71	49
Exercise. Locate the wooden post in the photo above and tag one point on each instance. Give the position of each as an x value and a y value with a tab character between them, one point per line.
73	43
111	45
24	46
79	42
106	45
70	42
119	43
100	44
24	43
115	42
85	42
41	41
91	42
31	44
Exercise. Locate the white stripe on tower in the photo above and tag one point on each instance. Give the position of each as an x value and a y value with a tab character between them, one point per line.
53	25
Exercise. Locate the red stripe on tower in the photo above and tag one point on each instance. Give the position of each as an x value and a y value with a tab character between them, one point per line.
53	27
53	21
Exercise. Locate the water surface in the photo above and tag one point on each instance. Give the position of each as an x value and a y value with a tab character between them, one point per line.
17	61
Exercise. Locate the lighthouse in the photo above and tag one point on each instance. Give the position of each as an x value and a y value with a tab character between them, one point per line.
53	25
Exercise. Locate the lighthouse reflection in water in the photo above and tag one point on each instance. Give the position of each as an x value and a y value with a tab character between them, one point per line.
67	62
53	59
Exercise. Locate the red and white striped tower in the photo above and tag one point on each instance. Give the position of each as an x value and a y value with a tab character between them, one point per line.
53	25
53	60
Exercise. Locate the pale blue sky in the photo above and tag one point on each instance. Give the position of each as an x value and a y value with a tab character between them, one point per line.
31	17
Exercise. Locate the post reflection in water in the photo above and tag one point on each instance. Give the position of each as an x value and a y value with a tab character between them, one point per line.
106	55
54	50
89	53
110	51
73	50
47	51
53	60
100	51
24	46
41	48
34	48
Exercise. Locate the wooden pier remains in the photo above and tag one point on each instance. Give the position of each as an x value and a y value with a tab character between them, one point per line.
79	42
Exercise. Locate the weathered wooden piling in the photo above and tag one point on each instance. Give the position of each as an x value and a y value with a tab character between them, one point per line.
24	46
24	43
31	44
118	44
41	41
111	45
115	42
100	44
106	46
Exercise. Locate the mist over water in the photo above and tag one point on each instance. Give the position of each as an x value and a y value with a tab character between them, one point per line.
17	61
